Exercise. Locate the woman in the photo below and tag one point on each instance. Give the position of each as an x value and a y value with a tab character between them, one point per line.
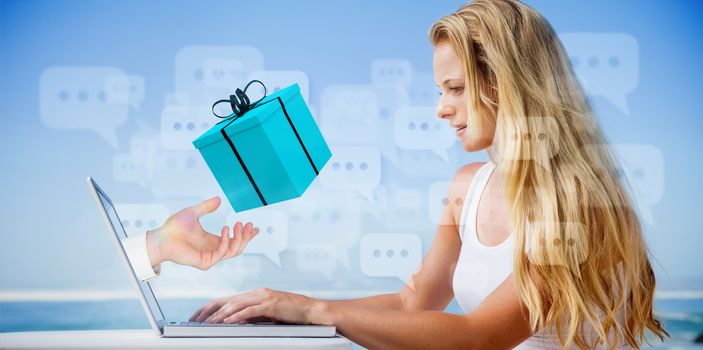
546	251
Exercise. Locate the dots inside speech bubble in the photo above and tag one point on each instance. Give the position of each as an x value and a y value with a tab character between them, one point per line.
353	168
277	80
75	98
390	255
116	89
557	244
391	72
607	64
273	232
442	204
416	128
319	257
139	217
205	73
349	114
181	125
132	168
539	143
228	73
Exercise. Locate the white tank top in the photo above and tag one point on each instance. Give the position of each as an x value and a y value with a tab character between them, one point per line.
481	269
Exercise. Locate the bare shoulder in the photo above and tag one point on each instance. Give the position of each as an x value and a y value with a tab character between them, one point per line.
460	186
467	172
463	176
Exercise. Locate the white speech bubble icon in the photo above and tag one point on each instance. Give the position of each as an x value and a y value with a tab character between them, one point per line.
422	89
417	129
180	174
205	73
117	89
405	211
136	91
134	167
349	114
181	125
326	217
131	168
423	164
539	143
557	244
175	99
353	168
390	255
273	232
607	64
643	167
144	145
276	80
381	198
75	98
390	99
319	257
139	217
228	73
391	71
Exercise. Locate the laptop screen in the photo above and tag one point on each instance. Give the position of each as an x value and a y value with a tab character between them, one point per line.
121	234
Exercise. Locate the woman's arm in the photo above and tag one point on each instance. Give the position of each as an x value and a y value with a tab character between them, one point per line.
431	284
500	322
430	287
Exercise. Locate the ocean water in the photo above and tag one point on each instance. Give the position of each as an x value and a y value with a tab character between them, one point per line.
683	319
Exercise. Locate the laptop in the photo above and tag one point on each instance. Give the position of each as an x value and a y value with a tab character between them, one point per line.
166	328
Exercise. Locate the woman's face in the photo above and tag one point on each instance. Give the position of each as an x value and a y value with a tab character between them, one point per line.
453	103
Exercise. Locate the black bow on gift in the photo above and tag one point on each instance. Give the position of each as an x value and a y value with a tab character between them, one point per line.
240	102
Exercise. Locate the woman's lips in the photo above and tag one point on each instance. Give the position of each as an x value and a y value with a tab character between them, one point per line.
460	131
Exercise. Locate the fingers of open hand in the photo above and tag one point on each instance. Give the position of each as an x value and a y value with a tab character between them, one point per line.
247	234
236	243
207	206
242	235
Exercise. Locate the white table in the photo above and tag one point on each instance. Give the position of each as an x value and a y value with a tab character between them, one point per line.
147	339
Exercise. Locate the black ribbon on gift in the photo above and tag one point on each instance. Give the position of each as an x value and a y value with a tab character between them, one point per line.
241	104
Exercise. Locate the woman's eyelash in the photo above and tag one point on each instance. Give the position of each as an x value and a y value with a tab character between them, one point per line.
452	89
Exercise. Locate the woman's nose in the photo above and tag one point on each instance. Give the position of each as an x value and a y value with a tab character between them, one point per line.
443	110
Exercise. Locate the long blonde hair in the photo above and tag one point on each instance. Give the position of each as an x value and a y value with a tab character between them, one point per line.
580	258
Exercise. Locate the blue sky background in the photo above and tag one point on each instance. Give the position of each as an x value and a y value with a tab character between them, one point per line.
51	237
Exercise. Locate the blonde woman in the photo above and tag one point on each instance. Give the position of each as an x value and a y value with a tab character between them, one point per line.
545	252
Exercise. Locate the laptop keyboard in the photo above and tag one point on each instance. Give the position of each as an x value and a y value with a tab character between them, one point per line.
200	324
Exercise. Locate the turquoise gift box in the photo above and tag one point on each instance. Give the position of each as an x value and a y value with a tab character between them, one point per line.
269	154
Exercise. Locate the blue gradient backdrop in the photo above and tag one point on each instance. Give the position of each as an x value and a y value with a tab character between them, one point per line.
51	237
